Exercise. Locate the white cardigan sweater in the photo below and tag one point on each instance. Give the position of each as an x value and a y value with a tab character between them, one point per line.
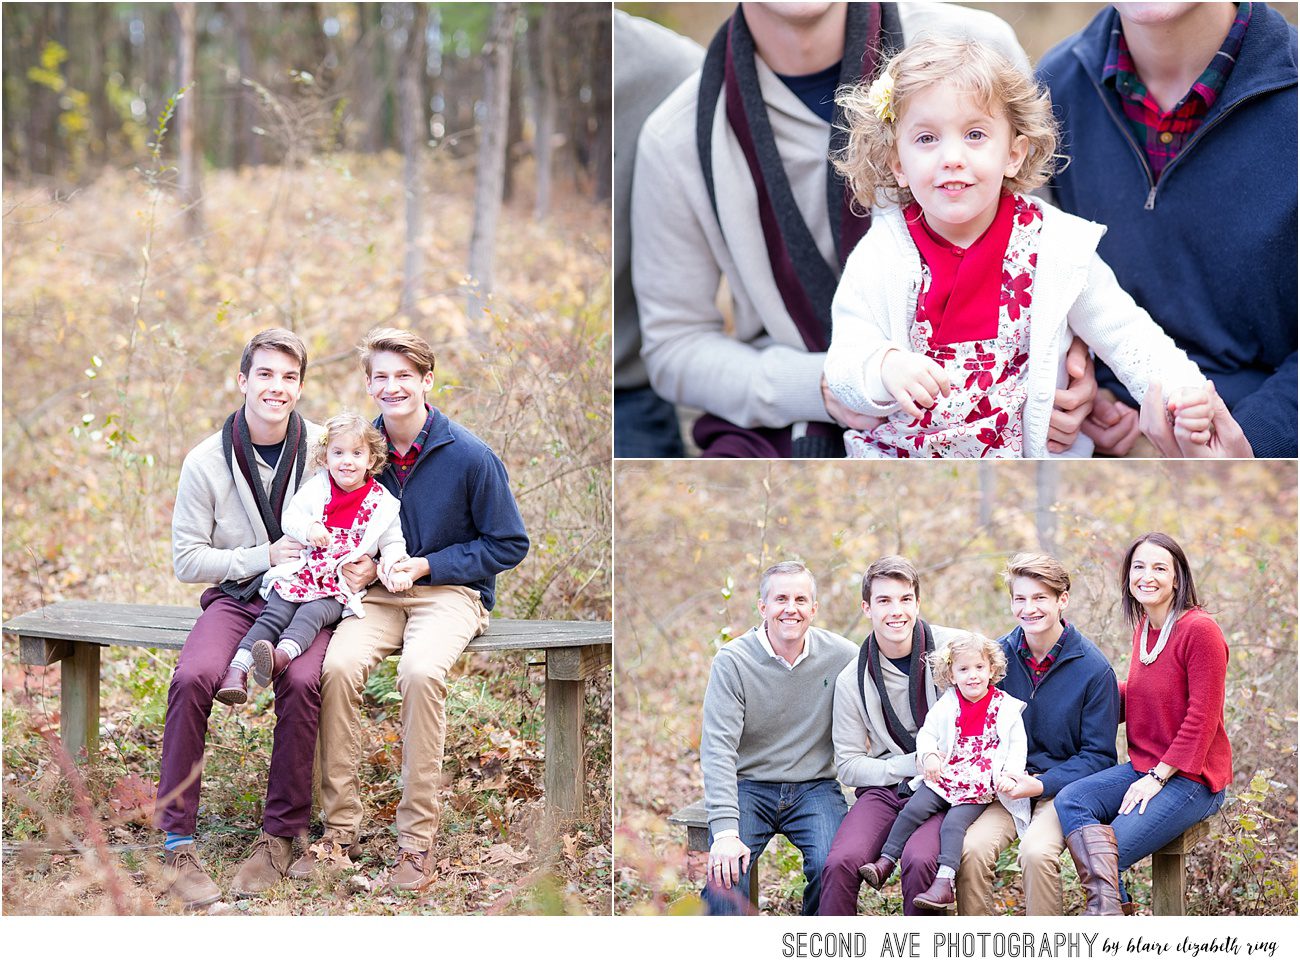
383	535
939	734
1074	292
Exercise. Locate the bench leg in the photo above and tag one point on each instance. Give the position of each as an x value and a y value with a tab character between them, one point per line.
1168	885
566	763
79	700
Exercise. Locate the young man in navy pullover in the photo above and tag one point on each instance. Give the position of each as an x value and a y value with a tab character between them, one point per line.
462	528
1071	721
1180	123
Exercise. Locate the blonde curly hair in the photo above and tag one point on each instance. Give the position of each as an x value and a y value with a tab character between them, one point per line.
996	85
349	423
942	659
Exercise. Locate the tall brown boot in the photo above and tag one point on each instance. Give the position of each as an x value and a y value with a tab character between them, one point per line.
1096	857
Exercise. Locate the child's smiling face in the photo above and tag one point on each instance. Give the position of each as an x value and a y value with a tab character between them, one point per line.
952	154
971	673
347	459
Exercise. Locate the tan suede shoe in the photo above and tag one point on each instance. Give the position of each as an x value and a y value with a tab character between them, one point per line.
324	857
412	872
185	881
264	867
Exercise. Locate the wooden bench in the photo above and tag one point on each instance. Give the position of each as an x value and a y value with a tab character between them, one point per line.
1168	864
72	632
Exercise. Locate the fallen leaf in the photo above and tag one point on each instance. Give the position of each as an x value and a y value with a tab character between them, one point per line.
504	853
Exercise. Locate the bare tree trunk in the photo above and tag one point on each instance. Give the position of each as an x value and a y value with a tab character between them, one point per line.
988	478
186	121
541	41
492	153
414	135
244	145
1047	478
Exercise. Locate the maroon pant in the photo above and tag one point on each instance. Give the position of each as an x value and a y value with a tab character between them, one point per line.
204	660
859	840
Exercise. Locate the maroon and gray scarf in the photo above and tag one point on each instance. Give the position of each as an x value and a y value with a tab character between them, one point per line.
869	663
807	285
237	445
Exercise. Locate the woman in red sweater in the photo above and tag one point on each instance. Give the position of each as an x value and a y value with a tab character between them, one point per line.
1180	760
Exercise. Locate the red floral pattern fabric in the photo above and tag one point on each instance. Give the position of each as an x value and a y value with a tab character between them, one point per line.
967	778
318	577
983	415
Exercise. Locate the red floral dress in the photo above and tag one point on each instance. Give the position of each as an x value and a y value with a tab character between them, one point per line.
967	778
318	577
983	415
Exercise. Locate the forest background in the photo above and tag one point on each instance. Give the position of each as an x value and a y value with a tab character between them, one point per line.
178	177
694	537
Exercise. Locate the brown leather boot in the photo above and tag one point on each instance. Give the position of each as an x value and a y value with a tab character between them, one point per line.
940	896
877	873
265	866
234	687
412	872
1096	857
268	662
185	881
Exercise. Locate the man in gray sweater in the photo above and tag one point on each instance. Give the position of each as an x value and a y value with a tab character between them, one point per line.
766	748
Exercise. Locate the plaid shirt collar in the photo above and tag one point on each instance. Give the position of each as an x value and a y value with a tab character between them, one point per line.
1162	134
1037	668
402	464
1121	74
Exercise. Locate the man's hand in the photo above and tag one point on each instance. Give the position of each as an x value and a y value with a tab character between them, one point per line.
1227	440
842	415
1022	785
285	549
914	380
1112	426
395	580
1074	402
360	574
406	571
728	861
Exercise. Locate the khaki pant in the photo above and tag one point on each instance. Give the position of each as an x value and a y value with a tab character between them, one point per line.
1040	860
432	625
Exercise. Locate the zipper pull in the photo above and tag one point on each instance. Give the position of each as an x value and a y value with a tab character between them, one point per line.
1151	199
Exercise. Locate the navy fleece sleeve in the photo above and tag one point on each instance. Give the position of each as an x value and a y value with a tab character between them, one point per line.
502	542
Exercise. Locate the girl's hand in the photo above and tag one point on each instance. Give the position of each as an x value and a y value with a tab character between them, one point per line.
933	767
398	577
915	381
1192	411
1138	794
1005	784
318	535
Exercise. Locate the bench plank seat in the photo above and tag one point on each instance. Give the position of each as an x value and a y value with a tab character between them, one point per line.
1168	863
72	632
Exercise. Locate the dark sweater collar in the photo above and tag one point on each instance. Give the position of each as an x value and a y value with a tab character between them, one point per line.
1267	60
1071	642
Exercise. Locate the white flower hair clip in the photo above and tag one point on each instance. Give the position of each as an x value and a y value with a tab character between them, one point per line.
880	96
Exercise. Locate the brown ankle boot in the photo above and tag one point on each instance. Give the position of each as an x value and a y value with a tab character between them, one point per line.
877	873
234	687
941	895
185	881
268	662
265	866
1096	857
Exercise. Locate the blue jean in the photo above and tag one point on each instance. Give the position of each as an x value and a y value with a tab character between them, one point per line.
1095	800
808	813
645	426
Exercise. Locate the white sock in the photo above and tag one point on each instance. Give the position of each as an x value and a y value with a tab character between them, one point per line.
243	660
292	649
946	872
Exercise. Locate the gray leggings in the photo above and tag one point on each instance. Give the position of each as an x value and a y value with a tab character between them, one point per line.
281	619
952	833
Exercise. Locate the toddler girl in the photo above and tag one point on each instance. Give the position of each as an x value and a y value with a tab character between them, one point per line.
953	315
971	741
341	514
